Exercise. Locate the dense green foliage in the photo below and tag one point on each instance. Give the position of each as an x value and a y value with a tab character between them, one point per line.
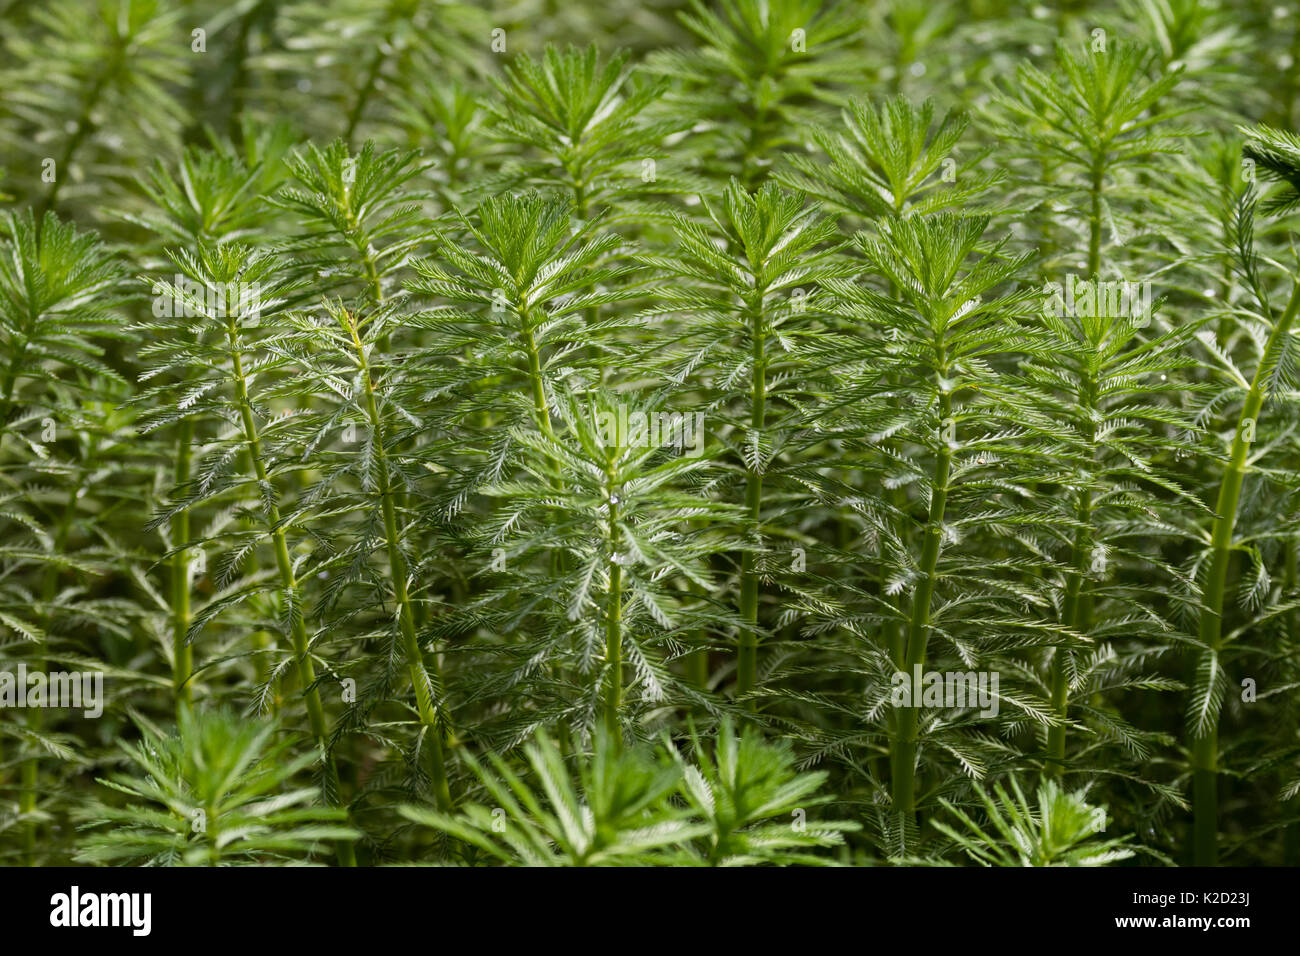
559	434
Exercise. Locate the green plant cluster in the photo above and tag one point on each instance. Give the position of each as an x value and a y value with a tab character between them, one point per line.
555	433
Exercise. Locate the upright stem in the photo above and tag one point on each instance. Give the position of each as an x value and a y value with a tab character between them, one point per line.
747	650
369	83
182	653
1076	610
83	127
903	757
697	665
366	256
1075	614
614	629
535	384
892	624
10	382
399	572
30	773
375	290
239	69
1205	746
1094	216
754	145
367	90
284	565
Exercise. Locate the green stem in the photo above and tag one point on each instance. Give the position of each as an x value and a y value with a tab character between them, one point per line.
614	630
374	281
182	652
903	757
754	142
1075	615
79	133
892	625
541	412
697	664
358	107
399	571
212	830
30	772
536	386
375	289
1205	745
1094	219
747	649
367	89
1076	610
289	584
239	70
